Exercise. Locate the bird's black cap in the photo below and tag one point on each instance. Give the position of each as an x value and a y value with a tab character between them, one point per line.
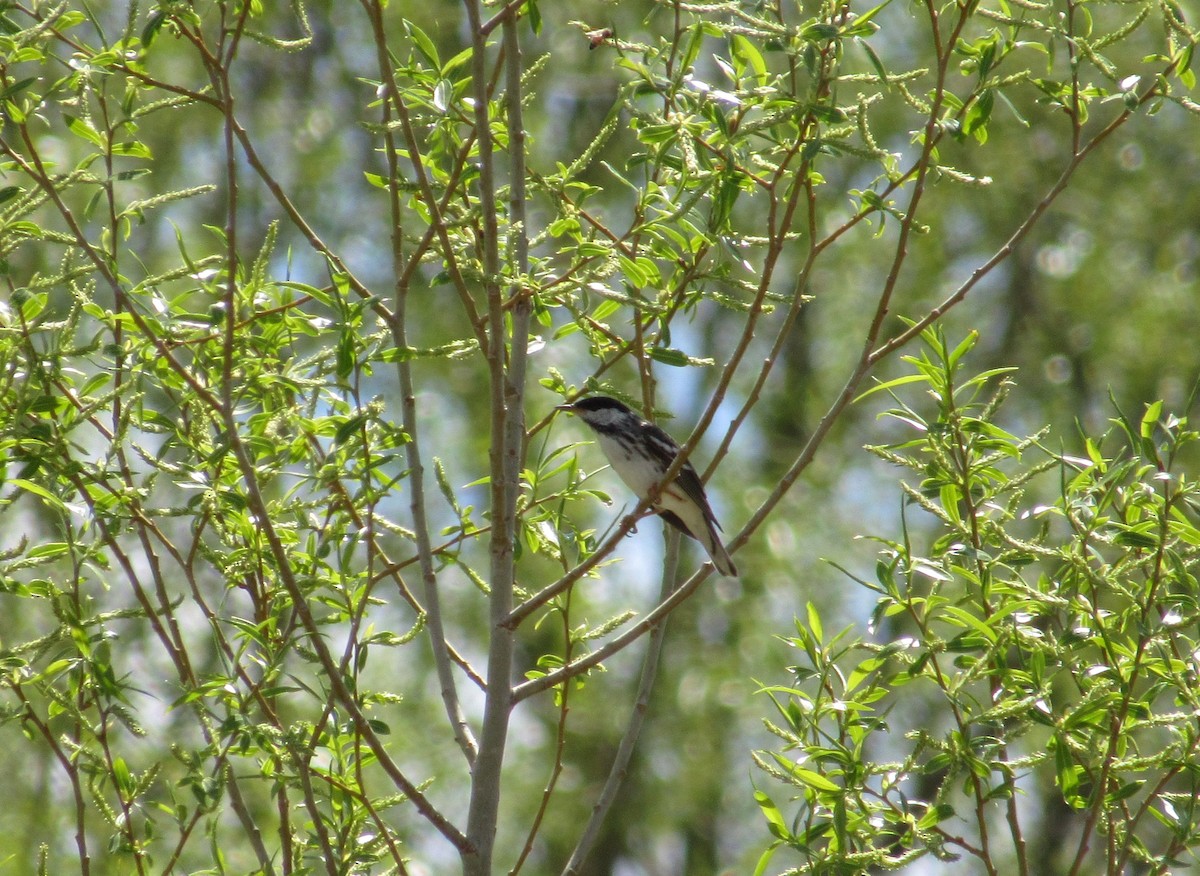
594	403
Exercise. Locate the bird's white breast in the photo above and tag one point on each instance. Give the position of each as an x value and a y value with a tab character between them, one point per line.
638	472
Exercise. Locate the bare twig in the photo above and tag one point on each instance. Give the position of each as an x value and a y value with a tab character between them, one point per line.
506	369
416	477
637	718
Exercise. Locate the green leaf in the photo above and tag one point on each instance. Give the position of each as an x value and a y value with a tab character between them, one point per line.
890	384
1150	418
722	206
633	272
457	61
765	858
967	619
771	812
1141	537
48	551
17	87
1122	793
345	355
84	131
747	55
591	249
423	44
157	19
814	622
978	115
935	815
14	112
132	149
965	346
605	309
1067	771
874	59
826	113
870	13
692	50
819	32
121	776
669	356
656	135
38	490
443	95
349	429
807	777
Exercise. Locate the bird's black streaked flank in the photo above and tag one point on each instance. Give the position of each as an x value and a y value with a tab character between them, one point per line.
640	453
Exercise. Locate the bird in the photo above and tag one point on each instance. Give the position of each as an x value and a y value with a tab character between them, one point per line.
640	453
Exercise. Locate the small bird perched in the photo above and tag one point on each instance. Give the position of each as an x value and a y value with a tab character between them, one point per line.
640	453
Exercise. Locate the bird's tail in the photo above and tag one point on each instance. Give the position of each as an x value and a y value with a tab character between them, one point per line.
707	536
717	553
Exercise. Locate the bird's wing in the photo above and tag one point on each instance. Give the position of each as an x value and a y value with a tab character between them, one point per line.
690	482
672	518
664	447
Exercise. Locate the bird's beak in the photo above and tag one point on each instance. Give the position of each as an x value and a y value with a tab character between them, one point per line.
568	408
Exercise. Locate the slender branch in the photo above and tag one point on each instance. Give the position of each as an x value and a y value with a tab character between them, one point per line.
779	222
871	357
602	552
287	576
507	398
560	746
416	467
616	644
508	13
637	718
868	359
318	819
1009	246
29	716
257	504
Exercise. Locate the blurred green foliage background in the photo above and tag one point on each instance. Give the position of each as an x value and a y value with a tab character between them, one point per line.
1101	301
